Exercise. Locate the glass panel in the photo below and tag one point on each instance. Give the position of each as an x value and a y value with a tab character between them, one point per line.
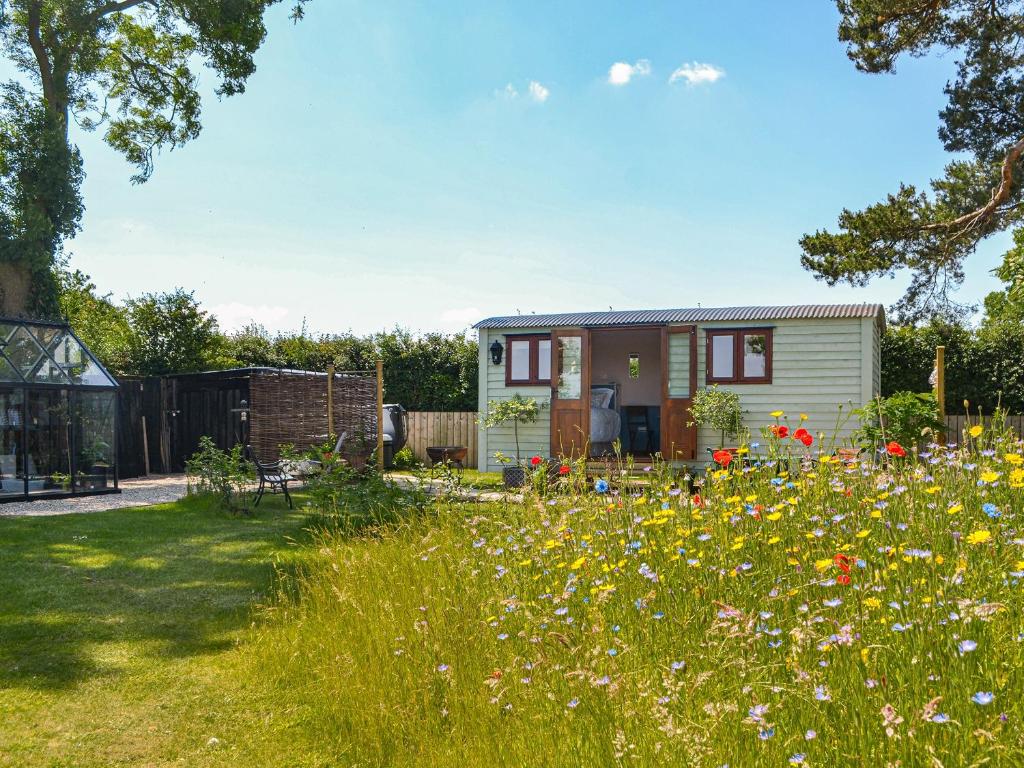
94	440
722	357
544	359
679	365
519	359
48	452
12	470
634	366
77	362
755	355
7	371
570	367
24	352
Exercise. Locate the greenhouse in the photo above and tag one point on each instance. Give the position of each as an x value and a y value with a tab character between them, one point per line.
58	412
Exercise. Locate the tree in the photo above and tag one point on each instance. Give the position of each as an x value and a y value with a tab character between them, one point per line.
980	193
1007	306
129	65
170	333
97	321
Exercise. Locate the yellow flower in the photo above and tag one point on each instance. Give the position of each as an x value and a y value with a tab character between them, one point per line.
955	509
774	540
979	537
862	533
823	565
976	430
776	414
988	476
933	490
1014	458
803	417
871	602
773	516
578	563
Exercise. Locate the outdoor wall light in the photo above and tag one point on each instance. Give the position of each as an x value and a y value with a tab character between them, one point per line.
496	352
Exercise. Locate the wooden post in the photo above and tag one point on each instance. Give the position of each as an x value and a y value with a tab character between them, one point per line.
330	401
380	415
940	385
145	446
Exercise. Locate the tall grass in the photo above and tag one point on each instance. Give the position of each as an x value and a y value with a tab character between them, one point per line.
784	611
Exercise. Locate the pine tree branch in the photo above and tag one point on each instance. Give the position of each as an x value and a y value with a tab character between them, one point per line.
999	195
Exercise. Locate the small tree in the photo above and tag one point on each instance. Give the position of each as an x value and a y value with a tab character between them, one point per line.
518	410
718	409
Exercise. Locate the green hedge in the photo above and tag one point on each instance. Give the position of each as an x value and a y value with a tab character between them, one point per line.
984	366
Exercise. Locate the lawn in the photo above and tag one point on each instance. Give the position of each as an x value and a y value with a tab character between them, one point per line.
785	612
122	633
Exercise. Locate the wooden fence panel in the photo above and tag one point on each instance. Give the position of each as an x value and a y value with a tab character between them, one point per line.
955	425
428	428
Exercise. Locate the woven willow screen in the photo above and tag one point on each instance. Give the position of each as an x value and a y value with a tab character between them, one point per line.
290	407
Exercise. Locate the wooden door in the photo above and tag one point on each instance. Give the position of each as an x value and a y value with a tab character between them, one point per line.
570	392
678	383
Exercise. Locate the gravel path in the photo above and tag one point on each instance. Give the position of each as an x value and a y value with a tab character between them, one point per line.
155	489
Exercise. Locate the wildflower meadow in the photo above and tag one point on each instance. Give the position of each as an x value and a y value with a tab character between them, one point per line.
790	606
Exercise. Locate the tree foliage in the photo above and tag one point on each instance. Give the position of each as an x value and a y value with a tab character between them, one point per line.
127	65
931	233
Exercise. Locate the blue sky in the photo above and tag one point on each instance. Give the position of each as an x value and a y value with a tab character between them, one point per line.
391	164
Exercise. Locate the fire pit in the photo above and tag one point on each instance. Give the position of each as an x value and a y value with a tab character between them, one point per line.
454	454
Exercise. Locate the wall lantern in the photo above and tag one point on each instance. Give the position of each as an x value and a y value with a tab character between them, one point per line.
496	350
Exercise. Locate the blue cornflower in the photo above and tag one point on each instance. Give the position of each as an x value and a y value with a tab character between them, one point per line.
966	646
677	665
991	510
982	698
601	485
797	759
573	703
942	717
765	733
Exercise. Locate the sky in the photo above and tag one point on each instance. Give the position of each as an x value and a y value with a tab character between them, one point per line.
429	164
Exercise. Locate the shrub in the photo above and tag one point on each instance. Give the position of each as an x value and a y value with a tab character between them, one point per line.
906	417
224	475
516	410
406	459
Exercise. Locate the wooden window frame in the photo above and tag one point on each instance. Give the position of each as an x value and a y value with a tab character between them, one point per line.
534	380
738	335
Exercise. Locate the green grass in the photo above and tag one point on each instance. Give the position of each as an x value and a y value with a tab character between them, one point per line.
814	618
122	633
650	627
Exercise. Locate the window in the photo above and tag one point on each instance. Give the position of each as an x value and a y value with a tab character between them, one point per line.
742	356
634	365
528	362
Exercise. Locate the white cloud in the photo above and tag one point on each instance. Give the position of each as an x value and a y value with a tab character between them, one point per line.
234	316
696	73
459	319
538	92
621	73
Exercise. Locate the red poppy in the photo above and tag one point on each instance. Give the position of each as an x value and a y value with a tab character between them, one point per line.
799	434
843	562
697	500
895	449
564	469
806	439
780	430
722	457
843	579
536	460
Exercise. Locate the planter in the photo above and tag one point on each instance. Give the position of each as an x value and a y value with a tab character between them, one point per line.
513	477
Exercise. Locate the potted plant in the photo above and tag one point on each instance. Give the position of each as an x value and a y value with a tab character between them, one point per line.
516	410
718	409
95	457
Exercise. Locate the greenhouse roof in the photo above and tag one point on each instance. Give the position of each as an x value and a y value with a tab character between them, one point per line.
48	354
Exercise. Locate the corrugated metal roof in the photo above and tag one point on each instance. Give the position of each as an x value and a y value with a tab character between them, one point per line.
690	315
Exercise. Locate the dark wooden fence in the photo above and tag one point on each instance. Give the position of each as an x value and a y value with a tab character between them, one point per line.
165	417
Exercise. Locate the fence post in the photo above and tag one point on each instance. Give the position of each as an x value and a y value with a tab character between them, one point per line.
330	401
380	415
940	384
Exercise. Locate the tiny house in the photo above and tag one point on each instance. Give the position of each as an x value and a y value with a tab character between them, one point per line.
630	376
